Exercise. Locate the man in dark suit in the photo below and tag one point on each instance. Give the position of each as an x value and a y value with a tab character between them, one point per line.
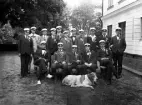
25	48
51	44
41	59
73	36
75	62
59	62
89	59
104	57
80	42
106	38
118	46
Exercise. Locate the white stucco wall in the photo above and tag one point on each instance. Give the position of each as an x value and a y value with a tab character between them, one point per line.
133	27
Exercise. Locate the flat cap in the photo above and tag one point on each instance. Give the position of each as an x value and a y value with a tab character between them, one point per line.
33	28
59	27
26	29
81	30
53	29
42	42
92	28
102	41
118	28
60	43
73	29
87	44
74	46
104	30
44	29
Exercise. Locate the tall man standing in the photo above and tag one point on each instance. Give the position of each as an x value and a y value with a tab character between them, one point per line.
25	48
118	46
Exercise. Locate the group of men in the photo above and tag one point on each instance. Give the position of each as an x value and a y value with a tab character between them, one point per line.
68	53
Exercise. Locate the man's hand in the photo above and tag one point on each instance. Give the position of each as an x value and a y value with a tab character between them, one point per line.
86	64
63	62
56	62
78	61
90	64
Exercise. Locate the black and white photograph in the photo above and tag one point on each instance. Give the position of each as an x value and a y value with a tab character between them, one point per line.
71	52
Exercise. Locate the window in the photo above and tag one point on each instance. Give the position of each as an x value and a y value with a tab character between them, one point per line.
122	25
110	4
109	28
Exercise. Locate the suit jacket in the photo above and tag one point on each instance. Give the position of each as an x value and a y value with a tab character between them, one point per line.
87	39
94	46
91	59
74	58
51	45
118	45
74	42
38	54
67	45
80	45
42	38
104	54
25	45
36	41
59	57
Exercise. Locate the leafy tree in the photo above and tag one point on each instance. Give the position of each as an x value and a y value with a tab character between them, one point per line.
41	13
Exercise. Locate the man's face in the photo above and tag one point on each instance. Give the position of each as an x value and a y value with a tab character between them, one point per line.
104	33
44	32
43	46
98	25
27	32
87	48
74	49
53	32
102	45
92	32
58	30
33	31
118	32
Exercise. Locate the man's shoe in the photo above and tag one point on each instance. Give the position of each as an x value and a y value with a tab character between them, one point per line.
119	76
38	82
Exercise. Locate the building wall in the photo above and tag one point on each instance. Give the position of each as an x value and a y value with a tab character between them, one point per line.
117	4
132	14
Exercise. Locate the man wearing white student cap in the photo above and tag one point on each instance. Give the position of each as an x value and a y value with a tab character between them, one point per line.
44	36
118	46
59	33
35	38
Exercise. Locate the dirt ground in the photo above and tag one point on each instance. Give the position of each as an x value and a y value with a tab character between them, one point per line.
25	91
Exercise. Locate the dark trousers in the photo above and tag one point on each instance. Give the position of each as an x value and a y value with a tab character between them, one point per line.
41	63
76	66
109	68
25	59
85	69
56	66
118	58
